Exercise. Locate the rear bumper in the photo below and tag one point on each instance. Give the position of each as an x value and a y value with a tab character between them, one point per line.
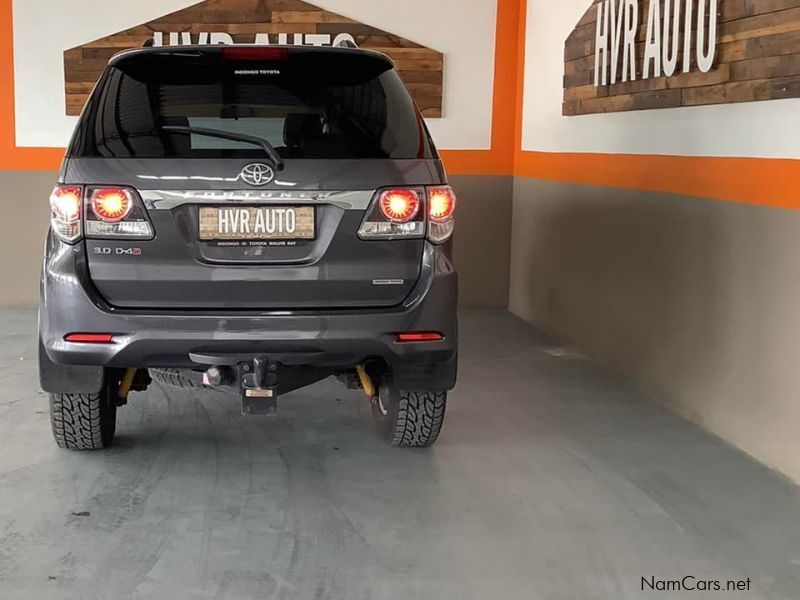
334	339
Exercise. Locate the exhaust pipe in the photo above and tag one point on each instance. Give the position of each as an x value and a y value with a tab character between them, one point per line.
218	376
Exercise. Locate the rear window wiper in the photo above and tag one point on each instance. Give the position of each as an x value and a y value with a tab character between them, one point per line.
233	137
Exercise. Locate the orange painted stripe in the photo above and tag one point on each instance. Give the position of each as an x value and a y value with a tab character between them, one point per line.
475	162
508	39
500	159
519	76
763	181
11	157
6	80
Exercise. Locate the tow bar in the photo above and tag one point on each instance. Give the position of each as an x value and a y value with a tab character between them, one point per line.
259	383
257	377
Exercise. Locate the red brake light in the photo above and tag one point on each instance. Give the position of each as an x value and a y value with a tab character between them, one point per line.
89	338
422	336
399	206
441	203
65	202
244	53
111	205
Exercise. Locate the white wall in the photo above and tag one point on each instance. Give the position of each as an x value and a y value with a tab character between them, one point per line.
694	300
759	129
464	30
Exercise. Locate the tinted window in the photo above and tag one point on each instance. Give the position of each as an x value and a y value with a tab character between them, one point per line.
307	104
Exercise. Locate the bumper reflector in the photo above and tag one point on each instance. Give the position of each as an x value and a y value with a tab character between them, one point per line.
421	336
89	338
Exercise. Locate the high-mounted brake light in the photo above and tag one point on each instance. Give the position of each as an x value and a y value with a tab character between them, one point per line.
244	53
66	202
89	338
420	336
399	206
111	204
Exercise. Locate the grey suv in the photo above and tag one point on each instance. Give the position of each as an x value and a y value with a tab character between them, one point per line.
252	218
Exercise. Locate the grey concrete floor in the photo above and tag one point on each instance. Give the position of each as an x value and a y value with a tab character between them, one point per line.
552	480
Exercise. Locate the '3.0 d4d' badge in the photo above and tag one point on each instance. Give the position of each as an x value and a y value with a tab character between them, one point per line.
257	174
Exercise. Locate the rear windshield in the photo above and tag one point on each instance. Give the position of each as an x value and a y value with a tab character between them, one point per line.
308	105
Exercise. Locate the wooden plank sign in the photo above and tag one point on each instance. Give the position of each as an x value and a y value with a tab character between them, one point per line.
642	54
262	22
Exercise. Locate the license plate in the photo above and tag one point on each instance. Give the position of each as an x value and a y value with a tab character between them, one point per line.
257	223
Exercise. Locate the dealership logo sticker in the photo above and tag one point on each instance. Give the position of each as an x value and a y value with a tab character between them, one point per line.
283	22
644	54
257	174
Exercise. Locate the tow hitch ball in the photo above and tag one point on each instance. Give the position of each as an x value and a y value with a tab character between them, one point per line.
259	385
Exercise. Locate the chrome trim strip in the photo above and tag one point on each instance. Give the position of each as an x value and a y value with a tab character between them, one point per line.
169	199
388	281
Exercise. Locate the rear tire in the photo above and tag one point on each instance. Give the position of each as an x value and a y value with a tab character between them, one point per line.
409	418
84	421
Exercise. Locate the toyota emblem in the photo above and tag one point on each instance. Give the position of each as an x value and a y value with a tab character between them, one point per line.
257	174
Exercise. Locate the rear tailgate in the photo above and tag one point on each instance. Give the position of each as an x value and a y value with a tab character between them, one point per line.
177	269
231	229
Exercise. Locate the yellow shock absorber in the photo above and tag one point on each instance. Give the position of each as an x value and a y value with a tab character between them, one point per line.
127	382
366	382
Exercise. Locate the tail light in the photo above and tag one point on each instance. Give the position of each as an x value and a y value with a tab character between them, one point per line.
116	212
111	205
398	213
97	212
399	206
395	214
441	211
66	204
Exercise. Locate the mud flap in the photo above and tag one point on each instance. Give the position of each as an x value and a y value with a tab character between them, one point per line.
68	379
